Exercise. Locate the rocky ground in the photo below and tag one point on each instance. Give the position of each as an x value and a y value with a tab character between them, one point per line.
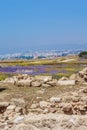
31	105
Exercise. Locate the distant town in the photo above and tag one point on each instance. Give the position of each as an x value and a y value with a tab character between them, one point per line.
40	54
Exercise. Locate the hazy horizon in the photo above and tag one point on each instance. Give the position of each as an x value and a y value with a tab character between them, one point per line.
42	25
82	46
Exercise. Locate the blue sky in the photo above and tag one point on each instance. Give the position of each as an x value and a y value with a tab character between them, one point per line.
42	24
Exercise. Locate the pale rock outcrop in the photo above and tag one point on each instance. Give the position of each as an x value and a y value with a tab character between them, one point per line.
3	106
67	108
24	82
44	104
43	78
63	78
46	85
11	108
34	106
85	78
66	82
73	77
81	74
85	70
53	82
35	84
9	81
18	119
17	101
55	99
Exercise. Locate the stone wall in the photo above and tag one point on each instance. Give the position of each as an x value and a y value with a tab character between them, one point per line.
46	81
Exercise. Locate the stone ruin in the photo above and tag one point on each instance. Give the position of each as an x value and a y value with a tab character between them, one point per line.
78	78
28	81
72	103
46	81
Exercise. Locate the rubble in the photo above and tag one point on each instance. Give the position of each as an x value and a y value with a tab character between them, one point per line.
53	112
47	81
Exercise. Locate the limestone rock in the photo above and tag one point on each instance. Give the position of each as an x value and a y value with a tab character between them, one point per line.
24	82
67	108
10	81
46	110
11	107
43	78
66	82
19	110
63	78
85	70
46	85
85	78
18	102
85	90
18	119
36	84
73	77
53	82
3	106
55	99
34	106
43	104
75	99
81	74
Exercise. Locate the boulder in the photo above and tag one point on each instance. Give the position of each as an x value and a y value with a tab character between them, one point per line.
34	106
18	119
55	99
11	108
19	77
3	106
67	108
15	79
53	82
24	82
25	76
81	74
35	84
19	110
18	102
79	79
73	77
85	70
46	110
75	99
52	110
43	78
85	90
46	85
85	78
9	81
43	104
63	78
66	82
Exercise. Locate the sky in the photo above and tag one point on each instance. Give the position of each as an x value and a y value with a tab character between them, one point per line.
42	25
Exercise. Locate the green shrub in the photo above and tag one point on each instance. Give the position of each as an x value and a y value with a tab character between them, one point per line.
83	54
